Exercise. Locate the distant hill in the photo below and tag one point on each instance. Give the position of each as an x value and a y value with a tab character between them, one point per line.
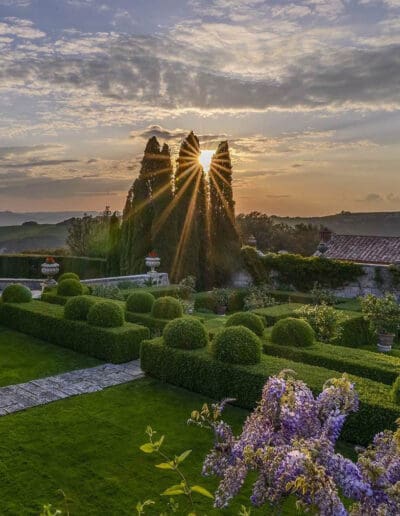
14	239
346	223
10	218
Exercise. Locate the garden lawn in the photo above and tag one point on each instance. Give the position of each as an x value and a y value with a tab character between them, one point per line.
24	358
88	446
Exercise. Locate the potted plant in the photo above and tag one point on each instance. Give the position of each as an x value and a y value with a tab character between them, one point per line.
221	296
383	314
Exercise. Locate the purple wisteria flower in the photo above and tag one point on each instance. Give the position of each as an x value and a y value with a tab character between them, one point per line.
289	441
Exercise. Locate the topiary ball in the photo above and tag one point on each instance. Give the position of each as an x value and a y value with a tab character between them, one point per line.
70	287
77	308
106	314
16	293
140	302
166	307
68	275
237	345
185	333
293	332
251	321
395	392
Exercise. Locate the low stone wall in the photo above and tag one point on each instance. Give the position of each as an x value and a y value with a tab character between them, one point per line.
377	280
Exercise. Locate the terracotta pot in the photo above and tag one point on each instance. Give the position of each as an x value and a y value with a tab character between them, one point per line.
221	309
385	342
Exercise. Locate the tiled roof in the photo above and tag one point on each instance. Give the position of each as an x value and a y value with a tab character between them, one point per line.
364	249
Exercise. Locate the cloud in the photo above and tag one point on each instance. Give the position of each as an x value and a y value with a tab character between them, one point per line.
39	163
20	28
381	198
175	135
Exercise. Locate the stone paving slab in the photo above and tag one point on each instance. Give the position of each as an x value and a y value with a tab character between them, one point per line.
14	398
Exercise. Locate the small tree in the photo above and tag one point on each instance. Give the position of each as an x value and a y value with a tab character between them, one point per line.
383	313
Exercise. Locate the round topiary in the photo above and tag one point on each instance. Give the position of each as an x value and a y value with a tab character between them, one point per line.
16	293
106	314
70	287
140	302
293	332
77	308
237	345
185	333
68	275
166	307
251	321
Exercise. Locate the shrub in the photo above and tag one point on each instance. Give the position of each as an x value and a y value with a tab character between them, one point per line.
205	301
70	287
140	302
16	293
166	308
68	275
47	322
253	264
108	292
355	331
77	308
272	314
293	332
382	313
185	333
323	319
237	345
251	321
258	297
106	314
322	295
395	392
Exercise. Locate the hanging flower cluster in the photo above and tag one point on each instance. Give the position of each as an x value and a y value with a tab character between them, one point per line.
289	441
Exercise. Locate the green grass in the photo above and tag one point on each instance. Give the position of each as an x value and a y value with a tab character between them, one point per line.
24	358
88	446
271	314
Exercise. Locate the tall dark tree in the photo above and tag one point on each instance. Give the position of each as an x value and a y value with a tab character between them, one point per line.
114	238
224	237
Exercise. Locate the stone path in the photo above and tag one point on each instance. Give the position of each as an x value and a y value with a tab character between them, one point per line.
45	390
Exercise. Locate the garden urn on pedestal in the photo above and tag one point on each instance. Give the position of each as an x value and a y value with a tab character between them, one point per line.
153	261
50	268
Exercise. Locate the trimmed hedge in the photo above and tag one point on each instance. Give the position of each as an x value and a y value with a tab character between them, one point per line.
70	287
47	322
355	332
236	345
16	293
68	275
185	333
158	291
77	308
153	323
106	314
251	321
205	301
197	371
166	307
28	266
293	332
272	314
51	296
140	302
367	364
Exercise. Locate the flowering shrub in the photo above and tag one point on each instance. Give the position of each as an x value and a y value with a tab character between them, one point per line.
322	295
258	297
383	313
289	442
323	319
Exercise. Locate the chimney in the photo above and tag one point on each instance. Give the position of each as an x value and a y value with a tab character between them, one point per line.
325	235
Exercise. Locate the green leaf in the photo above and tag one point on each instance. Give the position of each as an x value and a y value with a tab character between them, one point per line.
174	490
183	456
202	491
165	465
147	448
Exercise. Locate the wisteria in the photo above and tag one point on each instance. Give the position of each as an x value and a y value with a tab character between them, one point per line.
289	441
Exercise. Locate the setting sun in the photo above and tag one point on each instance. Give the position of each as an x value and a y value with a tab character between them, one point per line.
205	158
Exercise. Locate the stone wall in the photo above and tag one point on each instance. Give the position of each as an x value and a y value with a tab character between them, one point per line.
377	280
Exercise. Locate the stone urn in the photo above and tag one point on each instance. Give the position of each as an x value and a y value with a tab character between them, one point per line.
50	268
385	342
152	261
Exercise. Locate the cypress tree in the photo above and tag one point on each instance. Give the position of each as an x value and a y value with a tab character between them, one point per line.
224	238
113	255
126	233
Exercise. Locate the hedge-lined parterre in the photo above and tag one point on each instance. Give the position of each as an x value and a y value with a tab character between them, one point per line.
77	308
293	332
70	287
106	314
140	302
251	321
166	307
185	333
68	275
16	293
236	345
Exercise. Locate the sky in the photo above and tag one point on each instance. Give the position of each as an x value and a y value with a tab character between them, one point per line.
307	92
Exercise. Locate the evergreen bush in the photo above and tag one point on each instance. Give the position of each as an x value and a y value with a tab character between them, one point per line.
166	308
185	333
237	345
293	332
68	275
70	287
77	308
140	302
251	321
395	392
106	314
16	293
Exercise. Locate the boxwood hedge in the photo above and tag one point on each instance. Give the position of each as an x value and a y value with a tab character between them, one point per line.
47	322
197	371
